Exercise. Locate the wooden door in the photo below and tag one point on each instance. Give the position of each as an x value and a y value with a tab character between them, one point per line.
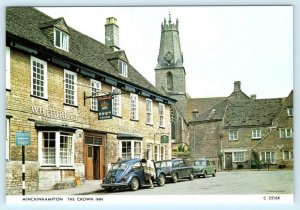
94	156
96	162
89	167
228	160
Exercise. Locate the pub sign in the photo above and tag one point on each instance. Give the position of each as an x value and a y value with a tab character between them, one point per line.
105	108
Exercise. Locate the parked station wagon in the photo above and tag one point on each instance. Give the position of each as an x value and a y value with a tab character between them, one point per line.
174	169
203	168
129	174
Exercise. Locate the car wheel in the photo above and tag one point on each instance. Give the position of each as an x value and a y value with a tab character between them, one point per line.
191	177
214	174
134	184
204	174
161	180
174	178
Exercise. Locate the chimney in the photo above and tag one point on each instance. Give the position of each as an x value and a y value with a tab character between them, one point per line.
253	97
112	33
237	86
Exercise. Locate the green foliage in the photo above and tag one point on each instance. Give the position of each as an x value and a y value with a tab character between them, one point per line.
255	162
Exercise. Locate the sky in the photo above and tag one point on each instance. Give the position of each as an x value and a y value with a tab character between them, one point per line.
220	44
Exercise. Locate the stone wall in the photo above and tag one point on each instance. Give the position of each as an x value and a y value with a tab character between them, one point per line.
25	111
14	177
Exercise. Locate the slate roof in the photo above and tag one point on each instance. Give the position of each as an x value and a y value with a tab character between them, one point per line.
241	112
251	112
24	23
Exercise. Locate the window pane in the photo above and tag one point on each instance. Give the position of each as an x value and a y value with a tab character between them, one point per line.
48	148
57	38
39	77
65	148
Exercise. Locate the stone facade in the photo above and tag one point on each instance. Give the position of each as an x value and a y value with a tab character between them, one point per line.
170	79
75	125
239	127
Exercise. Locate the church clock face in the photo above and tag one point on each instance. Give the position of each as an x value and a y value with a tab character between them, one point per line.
168	56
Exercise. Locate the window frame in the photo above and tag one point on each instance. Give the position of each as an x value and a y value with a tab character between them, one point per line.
263	158
162	152
123	68
256	133
283	133
237	158
45	75
232	136
162	115
57	149
64	43
290	155
75	88
7	67
149	111
117	103
132	152
156	152
95	91
134	106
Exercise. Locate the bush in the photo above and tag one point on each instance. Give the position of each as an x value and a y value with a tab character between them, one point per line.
240	166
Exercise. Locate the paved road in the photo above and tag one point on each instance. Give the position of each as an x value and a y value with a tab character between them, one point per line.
226	183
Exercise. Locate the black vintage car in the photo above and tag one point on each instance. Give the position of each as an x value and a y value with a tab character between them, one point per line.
174	169
129	174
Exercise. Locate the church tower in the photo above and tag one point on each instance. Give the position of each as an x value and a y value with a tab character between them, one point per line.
170	72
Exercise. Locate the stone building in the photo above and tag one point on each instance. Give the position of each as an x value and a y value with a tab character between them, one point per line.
240	130
235	131
170	79
53	74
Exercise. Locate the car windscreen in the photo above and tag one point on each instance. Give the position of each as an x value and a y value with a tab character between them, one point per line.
199	163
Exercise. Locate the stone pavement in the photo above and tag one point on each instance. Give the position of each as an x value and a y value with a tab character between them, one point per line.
88	187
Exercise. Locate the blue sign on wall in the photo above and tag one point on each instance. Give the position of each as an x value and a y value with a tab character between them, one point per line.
22	138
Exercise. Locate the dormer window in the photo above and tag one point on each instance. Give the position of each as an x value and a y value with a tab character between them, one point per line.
61	40
122	68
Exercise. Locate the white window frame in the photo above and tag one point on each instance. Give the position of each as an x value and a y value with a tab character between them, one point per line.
58	151
290	111
149	111
134	151
256	134
263	157
117	103
45	76
134	106
233	135
64	40
156	152
161	113
290	155
150	151
95	90
7	67
239	156
75	87
285	133
162	152
7	138
123	68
